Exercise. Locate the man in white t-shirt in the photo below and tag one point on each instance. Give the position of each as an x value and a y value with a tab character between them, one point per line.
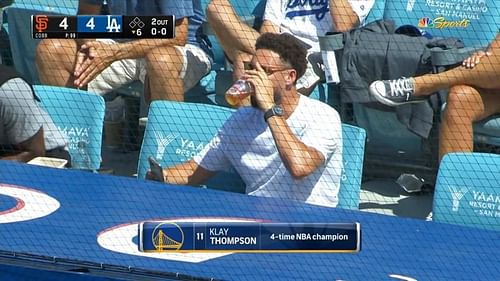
285	145
306	20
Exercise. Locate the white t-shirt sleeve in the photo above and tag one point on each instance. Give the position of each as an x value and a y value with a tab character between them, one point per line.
212	157
324	134
20	114
362	8
274	12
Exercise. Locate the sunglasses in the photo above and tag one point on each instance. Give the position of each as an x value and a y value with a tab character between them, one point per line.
268	70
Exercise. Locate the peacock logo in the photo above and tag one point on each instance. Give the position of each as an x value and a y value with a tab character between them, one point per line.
425	23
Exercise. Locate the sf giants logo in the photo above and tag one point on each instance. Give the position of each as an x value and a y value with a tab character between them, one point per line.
41	23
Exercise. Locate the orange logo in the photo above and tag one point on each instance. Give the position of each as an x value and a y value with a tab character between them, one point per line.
41	23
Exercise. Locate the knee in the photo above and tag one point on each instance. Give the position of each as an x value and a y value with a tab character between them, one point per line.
165	58
464	102
56	49
52	46
214	7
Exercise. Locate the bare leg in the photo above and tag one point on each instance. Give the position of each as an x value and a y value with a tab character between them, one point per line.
465	106
484	75
163	66
234	35
55	60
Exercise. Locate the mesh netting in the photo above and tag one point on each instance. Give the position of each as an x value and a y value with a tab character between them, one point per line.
384	113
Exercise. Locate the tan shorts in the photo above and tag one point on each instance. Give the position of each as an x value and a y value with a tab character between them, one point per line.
196	64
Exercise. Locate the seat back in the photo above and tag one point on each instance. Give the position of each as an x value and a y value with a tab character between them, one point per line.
175	132
467	190
80	116
377	11
353	151
474	22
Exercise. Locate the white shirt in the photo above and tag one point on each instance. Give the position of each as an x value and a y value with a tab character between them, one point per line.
245	143
306	19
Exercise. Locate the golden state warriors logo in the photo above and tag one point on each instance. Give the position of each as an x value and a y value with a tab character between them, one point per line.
120	239
167	236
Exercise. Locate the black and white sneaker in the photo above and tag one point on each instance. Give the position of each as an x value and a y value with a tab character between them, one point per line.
394	92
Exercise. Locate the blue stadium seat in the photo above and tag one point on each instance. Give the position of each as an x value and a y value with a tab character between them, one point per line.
377	11
67	7
80	115
177	131
467	190
353	142
474	22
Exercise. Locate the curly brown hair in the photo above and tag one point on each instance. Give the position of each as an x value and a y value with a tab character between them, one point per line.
290	49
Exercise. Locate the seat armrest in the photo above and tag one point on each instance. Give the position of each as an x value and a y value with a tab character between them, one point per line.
442	57
332	42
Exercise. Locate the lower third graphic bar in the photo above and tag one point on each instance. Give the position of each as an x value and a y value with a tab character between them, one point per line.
249	237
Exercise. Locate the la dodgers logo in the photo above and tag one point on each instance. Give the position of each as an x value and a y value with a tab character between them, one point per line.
319	8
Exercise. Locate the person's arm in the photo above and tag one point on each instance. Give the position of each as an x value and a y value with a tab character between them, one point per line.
29	149
476	57
187	173
269	26
495	44
88	7
343	16
300	159
273	16
101	55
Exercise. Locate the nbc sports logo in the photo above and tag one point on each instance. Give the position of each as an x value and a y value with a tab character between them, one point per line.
457	193
425	22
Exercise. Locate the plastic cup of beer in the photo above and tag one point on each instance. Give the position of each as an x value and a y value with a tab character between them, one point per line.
239	92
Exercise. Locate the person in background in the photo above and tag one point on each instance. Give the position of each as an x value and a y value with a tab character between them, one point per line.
285	145
26	130
474	95
303	19
173	65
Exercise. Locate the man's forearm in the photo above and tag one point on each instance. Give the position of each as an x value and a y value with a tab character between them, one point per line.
188	173
495	44
343	16
299	159
24	156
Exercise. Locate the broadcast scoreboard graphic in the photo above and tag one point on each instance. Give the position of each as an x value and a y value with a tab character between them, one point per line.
249	237
102	26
